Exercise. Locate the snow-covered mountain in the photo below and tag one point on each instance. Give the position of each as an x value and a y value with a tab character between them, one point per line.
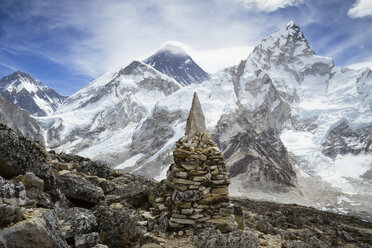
30	94
101	118
285	89
173	61
282	98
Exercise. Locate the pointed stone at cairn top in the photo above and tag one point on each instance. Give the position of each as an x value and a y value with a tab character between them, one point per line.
196	120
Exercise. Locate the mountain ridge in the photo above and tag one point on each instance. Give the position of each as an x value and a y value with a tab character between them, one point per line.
24	90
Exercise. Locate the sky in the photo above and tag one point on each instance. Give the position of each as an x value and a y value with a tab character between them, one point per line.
66	44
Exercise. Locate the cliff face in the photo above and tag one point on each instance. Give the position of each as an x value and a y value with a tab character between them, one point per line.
20	121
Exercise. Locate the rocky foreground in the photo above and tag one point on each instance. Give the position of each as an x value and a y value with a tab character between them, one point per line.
61	200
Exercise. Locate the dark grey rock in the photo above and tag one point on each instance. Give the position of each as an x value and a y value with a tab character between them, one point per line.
78	188
12	194
20	155
10	214
187	195
87	240
210	238
34	185
76	221
118	227
242	239
38	231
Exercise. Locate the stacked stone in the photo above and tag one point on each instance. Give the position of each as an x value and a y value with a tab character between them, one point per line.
198	178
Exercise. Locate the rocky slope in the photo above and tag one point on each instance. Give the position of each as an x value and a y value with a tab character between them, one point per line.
20	121
30	94
60	200
176	63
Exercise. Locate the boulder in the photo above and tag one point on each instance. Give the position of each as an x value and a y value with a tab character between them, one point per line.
76	221
10	214
38	231
242	239
20	155
224	225
33	184
87	240
78	188
118	227
12	194
210	238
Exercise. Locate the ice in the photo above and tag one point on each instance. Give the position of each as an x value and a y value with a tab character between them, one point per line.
130	162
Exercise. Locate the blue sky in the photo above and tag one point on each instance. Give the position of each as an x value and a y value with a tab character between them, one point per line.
66	44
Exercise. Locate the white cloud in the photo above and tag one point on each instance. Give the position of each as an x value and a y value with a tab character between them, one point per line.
269	5
360	65
112	34
362	8
213	60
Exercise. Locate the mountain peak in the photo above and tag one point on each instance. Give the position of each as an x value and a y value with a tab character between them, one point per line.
172	48
291	24
173	61
24	90
284	47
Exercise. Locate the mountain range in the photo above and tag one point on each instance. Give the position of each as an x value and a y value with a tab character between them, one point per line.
286	119
30	94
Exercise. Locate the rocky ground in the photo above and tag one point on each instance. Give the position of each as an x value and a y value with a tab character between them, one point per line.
61	200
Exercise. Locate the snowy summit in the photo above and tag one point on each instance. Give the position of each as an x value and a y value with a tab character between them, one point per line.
173	61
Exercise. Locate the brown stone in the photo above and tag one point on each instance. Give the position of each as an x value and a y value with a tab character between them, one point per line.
220	191
182	221
183	204
184	181
223	225
212	200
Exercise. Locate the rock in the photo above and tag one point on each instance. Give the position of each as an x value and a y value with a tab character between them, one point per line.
242	239
118	227
187	195
12	194
265	227
342	139
224	225
34	185
78	188
76	221
135	190
38	231
87	166
10	214
163	223
182	221
87	240
19	155
210	238
151	245
196	120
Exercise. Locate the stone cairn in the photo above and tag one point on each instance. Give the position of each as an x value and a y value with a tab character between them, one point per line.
198	179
